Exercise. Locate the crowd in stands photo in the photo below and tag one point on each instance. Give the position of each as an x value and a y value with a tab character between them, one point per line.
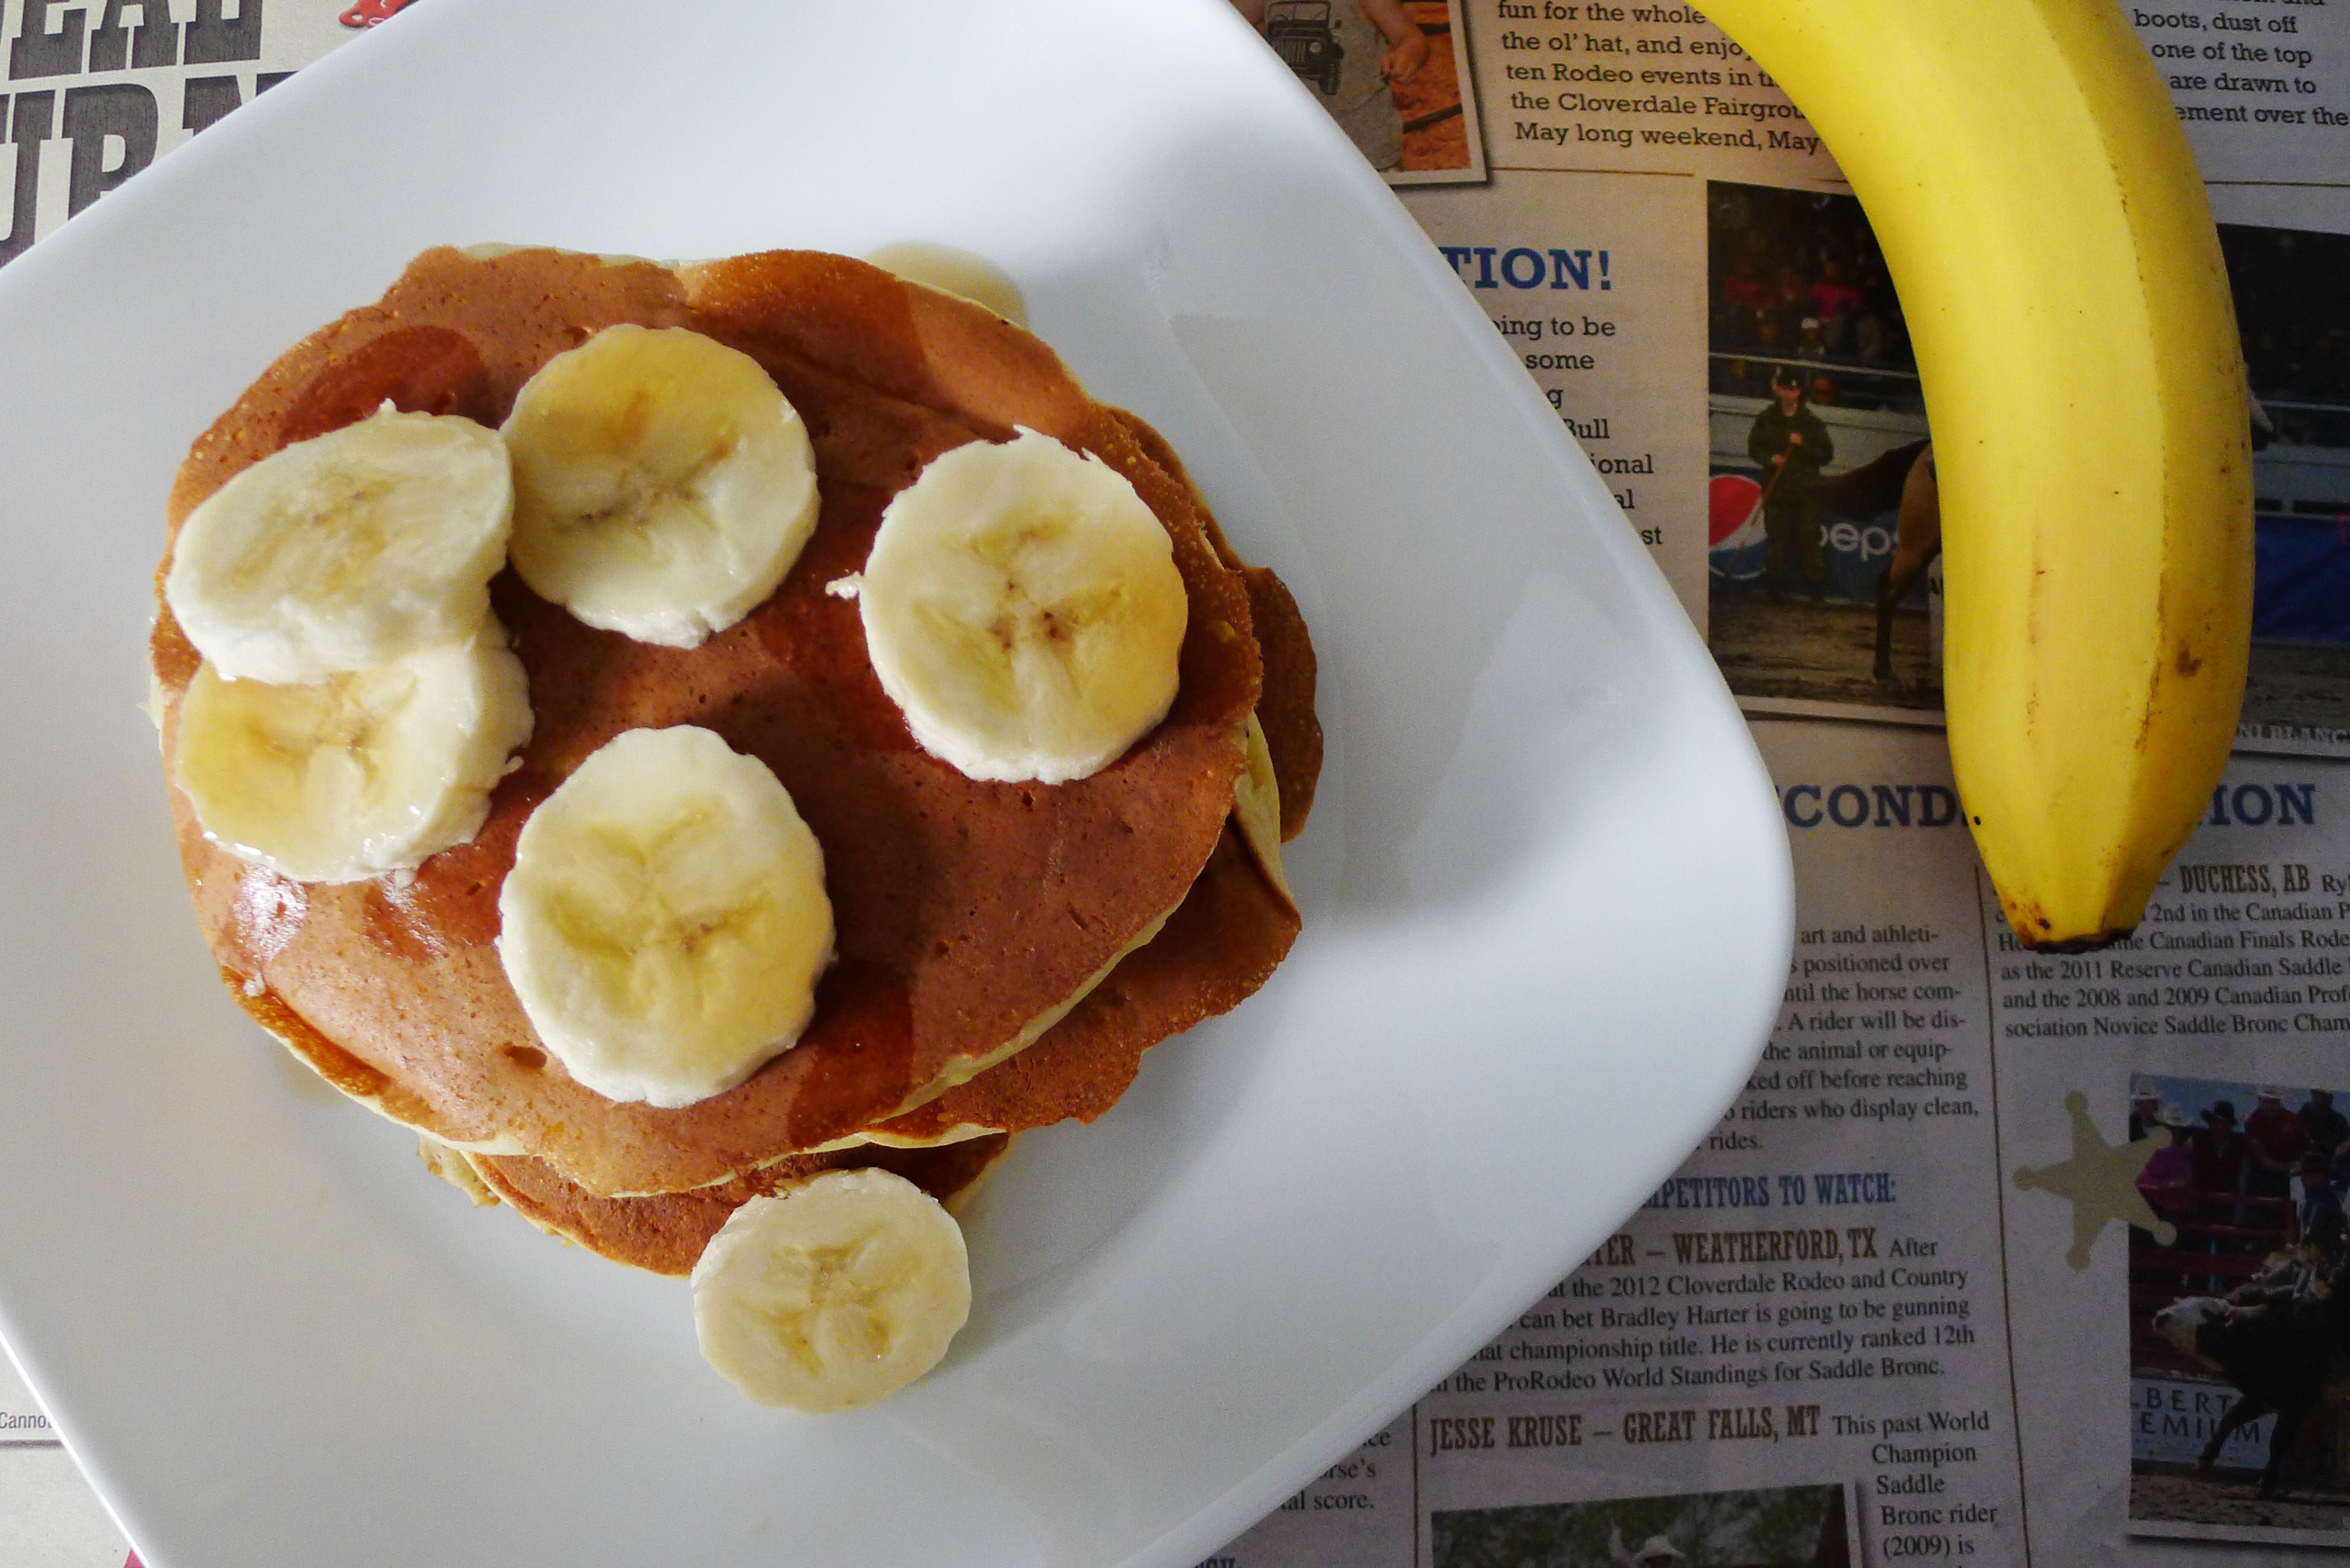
2295	321
2245	1188
1796	281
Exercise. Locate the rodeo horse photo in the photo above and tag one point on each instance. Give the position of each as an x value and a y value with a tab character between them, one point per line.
2239	1317
1824	520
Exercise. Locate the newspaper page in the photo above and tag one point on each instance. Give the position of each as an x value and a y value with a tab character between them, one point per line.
2000	1257
1953	1278
97	89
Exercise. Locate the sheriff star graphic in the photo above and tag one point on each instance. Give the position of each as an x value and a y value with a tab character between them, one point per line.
2101	1182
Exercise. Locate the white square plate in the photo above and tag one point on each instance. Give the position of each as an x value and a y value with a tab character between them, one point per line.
1547	897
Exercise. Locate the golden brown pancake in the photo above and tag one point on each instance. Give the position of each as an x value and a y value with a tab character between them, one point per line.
1213	954
964	910
666	1232
1233	929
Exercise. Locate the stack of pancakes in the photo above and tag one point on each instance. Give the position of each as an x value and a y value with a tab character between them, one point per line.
1005	952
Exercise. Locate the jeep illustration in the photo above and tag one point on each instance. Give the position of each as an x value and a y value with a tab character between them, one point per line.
1301	33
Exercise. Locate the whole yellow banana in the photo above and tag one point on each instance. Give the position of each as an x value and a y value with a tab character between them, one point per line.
2041	215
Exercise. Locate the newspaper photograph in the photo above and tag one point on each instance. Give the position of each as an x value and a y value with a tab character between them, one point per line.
2233	1297
95	93
1777	1524
1394	74
1822	511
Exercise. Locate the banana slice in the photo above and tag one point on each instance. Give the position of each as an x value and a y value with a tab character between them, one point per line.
662	486
835	1294
1021	606
344	551
957	272
1256	805
665	921
359	773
